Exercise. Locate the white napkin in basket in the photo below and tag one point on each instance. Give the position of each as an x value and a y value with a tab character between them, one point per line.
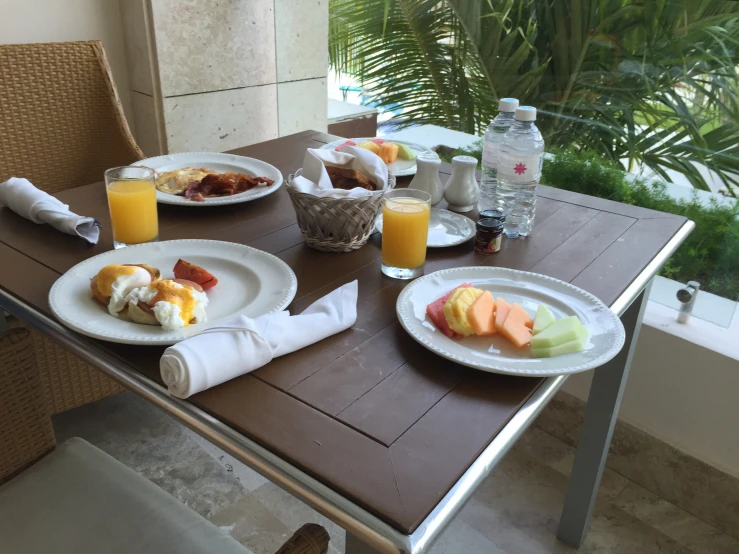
27	201
241	345
314	179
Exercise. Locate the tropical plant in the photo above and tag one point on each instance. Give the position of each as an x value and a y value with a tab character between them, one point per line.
709	255
646	82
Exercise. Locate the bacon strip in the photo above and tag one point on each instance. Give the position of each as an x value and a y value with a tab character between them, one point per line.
223	184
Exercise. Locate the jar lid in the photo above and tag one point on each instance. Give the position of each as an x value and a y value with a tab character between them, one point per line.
490	225
492	214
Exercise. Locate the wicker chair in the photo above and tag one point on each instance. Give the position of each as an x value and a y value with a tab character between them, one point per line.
62	126
30	512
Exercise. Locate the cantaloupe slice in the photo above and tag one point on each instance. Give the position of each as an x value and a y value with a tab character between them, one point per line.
481	315
561	331
515	331
544	318
517	313
501	312
569	347
455	310
389	152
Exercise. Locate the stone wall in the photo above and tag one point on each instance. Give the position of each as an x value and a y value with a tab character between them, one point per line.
212	75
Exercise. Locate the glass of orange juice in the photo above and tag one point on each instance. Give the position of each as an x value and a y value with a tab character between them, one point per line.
405	229
132	200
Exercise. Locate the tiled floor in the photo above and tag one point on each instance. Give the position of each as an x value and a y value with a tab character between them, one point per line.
514	512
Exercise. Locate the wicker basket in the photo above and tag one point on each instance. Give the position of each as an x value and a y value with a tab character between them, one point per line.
336	224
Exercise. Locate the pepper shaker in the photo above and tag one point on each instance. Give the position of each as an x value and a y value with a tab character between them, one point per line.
427	176
462	191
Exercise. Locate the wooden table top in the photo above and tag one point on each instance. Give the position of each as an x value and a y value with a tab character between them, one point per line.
369	412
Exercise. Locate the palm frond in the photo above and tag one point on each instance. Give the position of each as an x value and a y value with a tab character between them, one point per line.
653	82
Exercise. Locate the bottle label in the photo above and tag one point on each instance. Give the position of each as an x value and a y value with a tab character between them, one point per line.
490	154
520	169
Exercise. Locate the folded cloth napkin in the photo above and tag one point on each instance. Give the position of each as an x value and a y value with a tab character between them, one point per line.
314	179
27	201
242	344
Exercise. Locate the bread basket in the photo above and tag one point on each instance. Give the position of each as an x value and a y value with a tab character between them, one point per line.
336	224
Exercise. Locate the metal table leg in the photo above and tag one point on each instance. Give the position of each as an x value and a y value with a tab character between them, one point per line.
604	401
356	546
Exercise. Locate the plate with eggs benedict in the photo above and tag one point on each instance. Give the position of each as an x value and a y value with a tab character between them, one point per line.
163	292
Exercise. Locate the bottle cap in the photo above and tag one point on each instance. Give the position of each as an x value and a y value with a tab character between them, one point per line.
526	113
508	105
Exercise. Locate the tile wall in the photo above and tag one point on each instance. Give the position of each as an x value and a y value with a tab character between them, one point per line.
212	75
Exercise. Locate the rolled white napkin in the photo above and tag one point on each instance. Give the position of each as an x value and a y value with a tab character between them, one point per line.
243	344
314	180
27	201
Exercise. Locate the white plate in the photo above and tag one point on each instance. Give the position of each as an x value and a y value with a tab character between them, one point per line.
399	168
445	228
250	282
220	163
496	354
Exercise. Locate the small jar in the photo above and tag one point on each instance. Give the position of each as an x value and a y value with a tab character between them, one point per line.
489	236
492	214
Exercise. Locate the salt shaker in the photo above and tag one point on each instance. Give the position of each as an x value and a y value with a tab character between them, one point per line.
461	190
427	176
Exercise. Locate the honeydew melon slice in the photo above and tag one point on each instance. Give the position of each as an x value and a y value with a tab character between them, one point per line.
543	319
405	152
569	347
559	332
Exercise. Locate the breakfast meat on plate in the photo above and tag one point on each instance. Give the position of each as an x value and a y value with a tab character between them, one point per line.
223	184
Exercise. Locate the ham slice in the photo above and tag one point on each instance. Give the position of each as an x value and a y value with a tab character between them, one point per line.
435	311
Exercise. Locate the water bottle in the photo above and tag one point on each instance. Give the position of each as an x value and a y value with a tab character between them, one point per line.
519	171
493	138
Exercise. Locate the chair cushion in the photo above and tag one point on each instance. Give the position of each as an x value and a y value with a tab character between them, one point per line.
79	500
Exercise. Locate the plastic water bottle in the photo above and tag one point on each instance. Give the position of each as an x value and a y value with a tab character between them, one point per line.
491	145
519	171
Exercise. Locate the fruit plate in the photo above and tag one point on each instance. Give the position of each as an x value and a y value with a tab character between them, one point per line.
217	162
399	168
250	282
445	228
495	354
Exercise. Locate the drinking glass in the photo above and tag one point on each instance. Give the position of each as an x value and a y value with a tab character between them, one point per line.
405	229
132	200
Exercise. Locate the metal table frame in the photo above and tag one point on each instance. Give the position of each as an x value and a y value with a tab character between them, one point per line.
365	532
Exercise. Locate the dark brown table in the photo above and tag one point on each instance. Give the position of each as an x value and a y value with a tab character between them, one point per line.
367	426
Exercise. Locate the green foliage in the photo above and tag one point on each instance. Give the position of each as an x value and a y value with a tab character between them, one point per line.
710	255
645	81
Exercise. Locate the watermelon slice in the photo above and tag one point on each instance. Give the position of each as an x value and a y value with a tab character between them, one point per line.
344	145
377	141
435	311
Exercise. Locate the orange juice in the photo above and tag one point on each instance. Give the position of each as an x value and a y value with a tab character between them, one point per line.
405	229
133	211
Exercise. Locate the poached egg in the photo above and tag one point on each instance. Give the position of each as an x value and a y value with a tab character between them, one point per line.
174	305
117	281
